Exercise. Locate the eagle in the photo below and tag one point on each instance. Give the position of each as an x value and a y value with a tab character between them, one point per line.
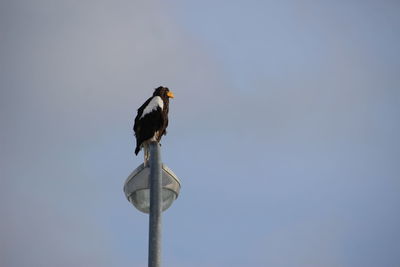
152	118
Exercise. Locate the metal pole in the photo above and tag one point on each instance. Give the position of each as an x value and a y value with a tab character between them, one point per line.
155	205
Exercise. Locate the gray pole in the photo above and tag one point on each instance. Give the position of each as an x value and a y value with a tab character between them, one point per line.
155	205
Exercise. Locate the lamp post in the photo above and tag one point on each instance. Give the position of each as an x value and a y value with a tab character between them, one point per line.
151	188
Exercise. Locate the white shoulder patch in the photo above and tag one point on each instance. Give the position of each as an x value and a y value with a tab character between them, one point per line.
153	104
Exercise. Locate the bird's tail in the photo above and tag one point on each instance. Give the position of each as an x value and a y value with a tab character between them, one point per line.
137	150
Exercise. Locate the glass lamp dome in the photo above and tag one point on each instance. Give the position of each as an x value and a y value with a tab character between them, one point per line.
137	188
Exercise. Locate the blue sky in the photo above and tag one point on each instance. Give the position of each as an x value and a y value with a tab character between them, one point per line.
284	131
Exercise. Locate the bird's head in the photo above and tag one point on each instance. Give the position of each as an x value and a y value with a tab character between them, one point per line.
163	92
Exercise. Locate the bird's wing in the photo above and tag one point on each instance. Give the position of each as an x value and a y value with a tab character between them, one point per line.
155	103
148	113
139	113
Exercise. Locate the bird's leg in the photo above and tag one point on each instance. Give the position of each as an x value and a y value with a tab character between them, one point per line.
146	153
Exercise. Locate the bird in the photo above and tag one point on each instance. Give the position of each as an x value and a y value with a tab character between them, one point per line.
151	120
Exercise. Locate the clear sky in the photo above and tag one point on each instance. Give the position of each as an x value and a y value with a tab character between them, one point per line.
284	131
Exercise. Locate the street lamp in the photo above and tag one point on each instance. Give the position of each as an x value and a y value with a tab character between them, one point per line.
151	188
137	188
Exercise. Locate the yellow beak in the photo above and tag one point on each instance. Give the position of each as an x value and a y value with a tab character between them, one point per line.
170	94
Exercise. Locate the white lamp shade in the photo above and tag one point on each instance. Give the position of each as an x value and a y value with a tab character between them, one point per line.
137	189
